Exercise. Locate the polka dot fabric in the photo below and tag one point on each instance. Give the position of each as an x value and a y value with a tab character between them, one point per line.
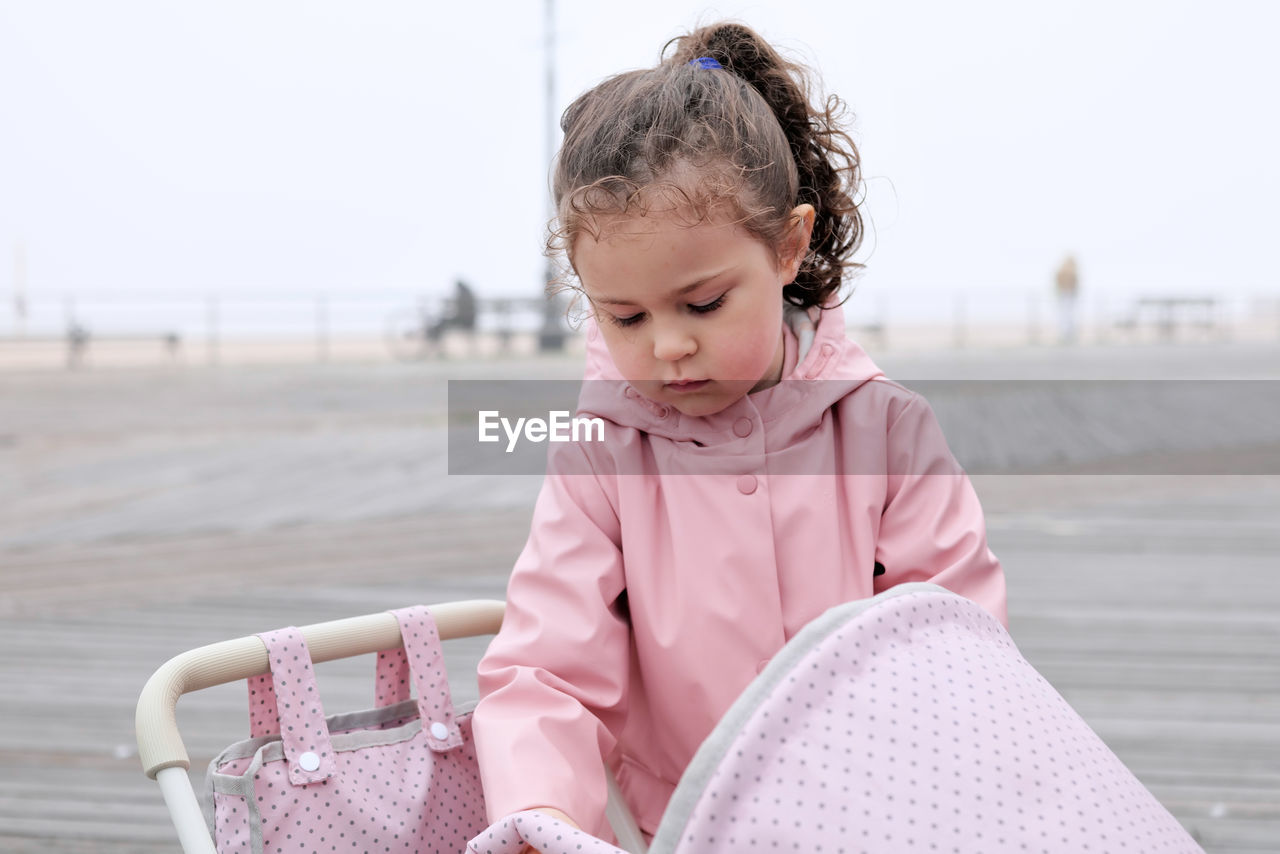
232	830
915	726
392	678
426	666
263	719
307	750
391	687
391	790
512	834
398	798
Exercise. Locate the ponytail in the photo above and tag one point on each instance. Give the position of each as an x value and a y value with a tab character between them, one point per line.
752	133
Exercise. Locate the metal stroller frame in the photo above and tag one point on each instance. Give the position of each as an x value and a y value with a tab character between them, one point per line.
164	756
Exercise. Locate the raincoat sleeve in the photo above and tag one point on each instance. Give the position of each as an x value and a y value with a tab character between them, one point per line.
932	527
553	684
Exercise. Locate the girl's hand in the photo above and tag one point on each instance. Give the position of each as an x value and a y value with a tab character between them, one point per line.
558	816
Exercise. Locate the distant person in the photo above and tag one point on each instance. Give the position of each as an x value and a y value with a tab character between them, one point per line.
1067	287
464	307
460	313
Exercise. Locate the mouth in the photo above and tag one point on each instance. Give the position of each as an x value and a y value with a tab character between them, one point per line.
685	385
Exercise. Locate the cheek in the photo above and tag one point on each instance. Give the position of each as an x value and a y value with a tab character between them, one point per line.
624	351
752	344
747	359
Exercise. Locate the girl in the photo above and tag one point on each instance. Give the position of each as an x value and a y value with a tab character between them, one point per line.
758	468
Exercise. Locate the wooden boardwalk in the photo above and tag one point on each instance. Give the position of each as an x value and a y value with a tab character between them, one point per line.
148	512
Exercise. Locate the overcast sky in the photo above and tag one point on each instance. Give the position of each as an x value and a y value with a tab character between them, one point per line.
384	147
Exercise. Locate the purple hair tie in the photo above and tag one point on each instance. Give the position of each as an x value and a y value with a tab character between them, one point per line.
705	62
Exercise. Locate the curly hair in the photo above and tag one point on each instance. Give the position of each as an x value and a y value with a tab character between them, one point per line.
746	139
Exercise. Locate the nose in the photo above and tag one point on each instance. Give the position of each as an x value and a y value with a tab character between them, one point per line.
672	343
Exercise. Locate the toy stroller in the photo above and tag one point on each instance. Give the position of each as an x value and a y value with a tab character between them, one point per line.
907	722
401	776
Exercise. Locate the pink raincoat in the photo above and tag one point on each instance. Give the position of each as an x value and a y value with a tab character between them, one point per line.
644	603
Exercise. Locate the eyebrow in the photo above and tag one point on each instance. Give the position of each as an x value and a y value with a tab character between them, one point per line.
686	289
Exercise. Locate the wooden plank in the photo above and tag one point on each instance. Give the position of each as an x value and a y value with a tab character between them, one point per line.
1150	603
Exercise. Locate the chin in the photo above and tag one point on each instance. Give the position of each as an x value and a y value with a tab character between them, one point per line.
717	398
698	405
699	408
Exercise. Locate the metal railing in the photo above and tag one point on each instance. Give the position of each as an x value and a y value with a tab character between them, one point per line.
412	327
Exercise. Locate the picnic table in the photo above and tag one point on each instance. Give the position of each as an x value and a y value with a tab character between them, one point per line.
1167	313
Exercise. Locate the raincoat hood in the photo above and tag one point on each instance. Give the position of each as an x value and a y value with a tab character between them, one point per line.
828	366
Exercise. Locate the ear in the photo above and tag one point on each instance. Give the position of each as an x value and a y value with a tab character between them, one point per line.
795	242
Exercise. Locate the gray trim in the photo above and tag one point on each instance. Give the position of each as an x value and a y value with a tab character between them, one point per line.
711	753
241	750
206	798
369	717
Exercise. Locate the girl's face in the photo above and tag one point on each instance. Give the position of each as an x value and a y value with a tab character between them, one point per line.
692	315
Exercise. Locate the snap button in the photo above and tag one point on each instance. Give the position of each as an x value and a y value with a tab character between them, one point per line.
308	761
631	393
764	662
439	731
663	412
747	484
826	351
742	428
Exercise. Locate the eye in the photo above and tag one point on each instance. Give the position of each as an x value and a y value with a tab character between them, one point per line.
707	307
627	321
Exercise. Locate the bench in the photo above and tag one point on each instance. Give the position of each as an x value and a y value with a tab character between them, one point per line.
78	338
1168	313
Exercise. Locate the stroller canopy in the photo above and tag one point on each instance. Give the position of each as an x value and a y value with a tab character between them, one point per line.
907	722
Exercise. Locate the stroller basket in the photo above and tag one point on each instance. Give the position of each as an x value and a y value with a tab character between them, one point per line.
164	756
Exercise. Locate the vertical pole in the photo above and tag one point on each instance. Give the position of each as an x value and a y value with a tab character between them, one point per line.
882	319
73	331
551	336
211	329
550	106
322	327
1033	319
20	289
77	335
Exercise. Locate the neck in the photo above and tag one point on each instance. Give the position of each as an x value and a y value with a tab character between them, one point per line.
774	375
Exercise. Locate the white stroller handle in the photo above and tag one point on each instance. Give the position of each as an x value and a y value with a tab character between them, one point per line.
159	743
164	756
